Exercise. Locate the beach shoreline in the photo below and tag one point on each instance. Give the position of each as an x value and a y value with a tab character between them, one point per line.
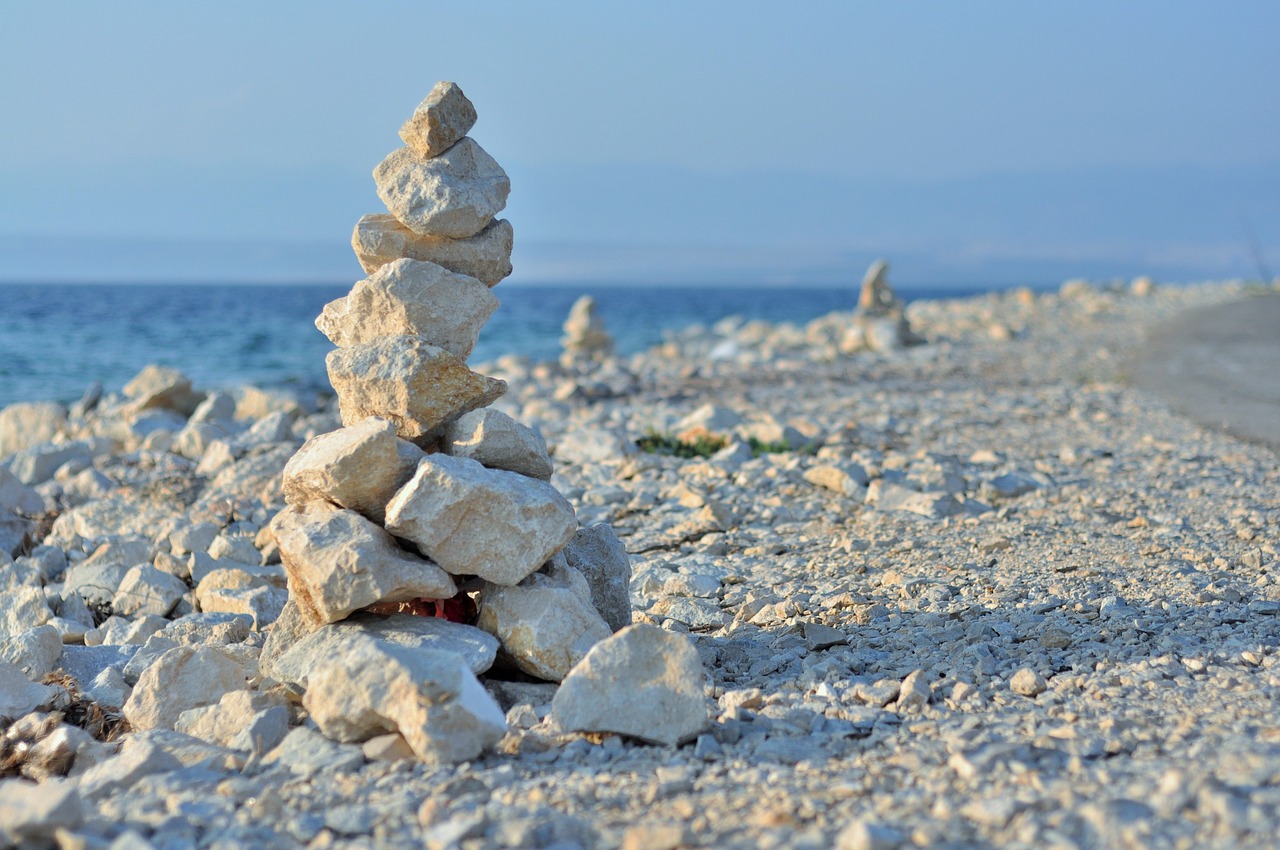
988	590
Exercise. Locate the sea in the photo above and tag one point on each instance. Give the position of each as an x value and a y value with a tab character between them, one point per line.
57	340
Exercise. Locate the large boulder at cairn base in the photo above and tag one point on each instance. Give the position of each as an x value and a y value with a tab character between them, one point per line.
642	681
339	562
498	525
439	121
420	387
379	239
411	298
455	194
360	467
444	714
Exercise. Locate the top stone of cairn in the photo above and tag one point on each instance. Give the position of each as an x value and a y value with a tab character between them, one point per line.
439	121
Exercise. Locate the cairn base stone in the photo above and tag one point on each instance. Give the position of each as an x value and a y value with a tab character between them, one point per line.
338	562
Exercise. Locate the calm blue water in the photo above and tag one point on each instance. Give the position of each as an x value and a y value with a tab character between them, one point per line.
57	339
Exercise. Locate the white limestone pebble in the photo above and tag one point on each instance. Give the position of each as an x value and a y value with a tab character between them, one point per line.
430	698
411	298
1028	683
31	815
498	525
164	388
643	681
379	239
419	387
181	679
454	194
339	562
546	624
444	117
240	720
494	439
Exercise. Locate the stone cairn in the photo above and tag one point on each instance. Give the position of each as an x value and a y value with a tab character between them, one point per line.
585	340
423	541
880	323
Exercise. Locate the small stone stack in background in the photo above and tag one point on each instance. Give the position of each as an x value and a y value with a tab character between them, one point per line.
425	497
880	323
586	340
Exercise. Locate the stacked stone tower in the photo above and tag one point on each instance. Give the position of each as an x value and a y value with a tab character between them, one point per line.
426	501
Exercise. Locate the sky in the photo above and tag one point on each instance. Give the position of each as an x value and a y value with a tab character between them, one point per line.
666	142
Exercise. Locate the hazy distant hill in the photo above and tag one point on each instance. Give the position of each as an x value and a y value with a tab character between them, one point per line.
646	223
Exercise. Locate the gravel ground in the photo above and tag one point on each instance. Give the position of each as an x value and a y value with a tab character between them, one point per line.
984	593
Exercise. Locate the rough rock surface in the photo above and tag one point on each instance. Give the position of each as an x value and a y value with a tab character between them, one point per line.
430	698
411	298
339	562
454	194
546	623
359	467
28	424
182	678
379	239
163	388
444	117
642	681
494	439
294	662
497	525
601	557
419	387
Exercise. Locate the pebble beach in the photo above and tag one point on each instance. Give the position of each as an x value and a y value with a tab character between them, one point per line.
959	573
977	592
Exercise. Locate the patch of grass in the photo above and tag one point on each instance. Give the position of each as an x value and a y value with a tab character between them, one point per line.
759	447
704	445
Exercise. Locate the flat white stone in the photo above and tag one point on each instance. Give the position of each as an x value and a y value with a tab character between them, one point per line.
379	239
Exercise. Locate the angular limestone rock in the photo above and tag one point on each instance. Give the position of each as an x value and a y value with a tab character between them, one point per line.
419	387
164	388
360	467
339	562
494	439
241	720
455	194
643	681
379	239
498	525
439	121
430	698
546	624
599	555
183	678
19	695
411	298
294	664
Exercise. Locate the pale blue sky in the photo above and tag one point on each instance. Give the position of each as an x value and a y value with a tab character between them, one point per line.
666	140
